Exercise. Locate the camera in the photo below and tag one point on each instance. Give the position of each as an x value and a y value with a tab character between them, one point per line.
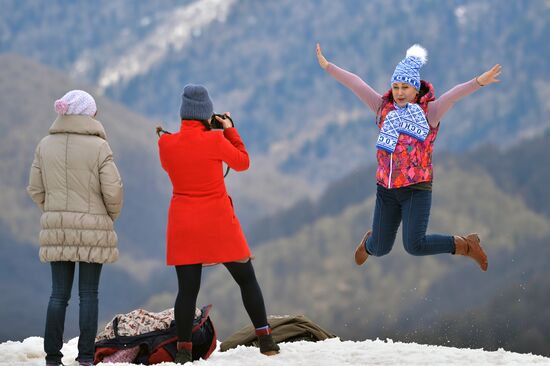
216	125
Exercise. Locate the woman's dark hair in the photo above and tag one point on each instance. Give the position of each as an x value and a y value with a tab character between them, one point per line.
206	124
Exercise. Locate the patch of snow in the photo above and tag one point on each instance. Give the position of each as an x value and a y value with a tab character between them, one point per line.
174	32
327	353
460	13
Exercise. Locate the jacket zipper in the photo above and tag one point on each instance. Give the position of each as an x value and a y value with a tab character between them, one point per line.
391	167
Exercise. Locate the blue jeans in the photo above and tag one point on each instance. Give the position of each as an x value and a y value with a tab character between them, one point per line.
62	282
412	206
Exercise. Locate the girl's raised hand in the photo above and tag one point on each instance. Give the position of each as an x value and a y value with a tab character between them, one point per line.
489	76
322	60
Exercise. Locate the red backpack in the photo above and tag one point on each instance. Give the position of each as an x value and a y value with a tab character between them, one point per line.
159	345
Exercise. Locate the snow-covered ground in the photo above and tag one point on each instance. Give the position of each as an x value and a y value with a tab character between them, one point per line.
330	353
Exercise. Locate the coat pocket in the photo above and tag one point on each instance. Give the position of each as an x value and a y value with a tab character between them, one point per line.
232	207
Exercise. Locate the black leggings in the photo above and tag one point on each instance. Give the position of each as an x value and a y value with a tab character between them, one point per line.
189	281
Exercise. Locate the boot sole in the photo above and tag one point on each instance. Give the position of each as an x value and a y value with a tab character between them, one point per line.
270	353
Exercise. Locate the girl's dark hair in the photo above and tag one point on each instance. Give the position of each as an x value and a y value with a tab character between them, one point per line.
423	90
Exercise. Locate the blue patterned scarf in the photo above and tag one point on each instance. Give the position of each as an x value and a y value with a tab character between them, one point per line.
410	120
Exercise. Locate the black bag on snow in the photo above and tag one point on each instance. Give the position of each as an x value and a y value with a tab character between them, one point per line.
160	345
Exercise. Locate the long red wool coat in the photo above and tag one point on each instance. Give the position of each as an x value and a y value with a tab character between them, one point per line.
202	226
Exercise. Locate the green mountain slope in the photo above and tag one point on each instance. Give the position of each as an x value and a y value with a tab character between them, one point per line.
258	61
520	170
395	296
28	91
26	112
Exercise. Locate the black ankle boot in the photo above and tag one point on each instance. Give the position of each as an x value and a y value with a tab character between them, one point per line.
183	356
267	345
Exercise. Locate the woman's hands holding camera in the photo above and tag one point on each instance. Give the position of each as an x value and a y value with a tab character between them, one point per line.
225	122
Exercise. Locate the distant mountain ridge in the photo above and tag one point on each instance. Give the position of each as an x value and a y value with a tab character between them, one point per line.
28	91
512	169
26	112
439	300
399	296
311	144
258	61
313	250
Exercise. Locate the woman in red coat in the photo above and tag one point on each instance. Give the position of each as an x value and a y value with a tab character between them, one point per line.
202	225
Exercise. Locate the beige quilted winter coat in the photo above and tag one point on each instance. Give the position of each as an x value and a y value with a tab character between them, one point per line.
76	184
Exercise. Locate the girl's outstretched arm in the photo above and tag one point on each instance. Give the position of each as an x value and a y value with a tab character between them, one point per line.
363	91
440	106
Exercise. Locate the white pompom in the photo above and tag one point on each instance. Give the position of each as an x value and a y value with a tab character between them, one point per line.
419	52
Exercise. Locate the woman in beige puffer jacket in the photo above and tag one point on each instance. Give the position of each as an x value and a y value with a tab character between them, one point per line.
76	184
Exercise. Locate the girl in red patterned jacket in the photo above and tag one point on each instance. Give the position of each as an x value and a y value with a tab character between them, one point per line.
408	117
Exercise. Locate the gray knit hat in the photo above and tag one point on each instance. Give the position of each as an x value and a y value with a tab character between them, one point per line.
195	103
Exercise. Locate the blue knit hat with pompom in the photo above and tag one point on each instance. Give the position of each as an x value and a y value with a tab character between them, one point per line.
407	71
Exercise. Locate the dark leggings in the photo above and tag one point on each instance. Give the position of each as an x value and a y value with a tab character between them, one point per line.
189	281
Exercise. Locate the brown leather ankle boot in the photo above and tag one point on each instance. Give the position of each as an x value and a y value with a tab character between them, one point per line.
469	246
361	253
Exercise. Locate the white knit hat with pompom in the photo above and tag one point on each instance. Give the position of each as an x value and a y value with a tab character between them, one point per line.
76	102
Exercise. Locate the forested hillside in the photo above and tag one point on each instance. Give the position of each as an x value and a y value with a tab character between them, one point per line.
308	196
257	58
440	299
